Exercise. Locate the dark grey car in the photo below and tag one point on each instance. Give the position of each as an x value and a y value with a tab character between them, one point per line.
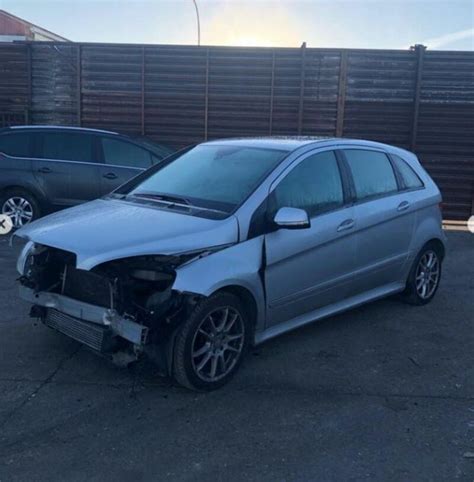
43	169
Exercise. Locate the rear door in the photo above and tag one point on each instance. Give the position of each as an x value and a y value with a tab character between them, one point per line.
121	160
65	166
384	217
310	268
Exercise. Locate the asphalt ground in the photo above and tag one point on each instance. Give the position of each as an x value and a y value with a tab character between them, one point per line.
383	392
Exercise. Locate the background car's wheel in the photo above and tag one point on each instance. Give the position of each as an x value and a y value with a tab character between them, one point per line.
424	277
20	205
211	343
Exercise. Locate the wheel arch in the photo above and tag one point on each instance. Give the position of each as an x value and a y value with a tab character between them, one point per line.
246	297
34	191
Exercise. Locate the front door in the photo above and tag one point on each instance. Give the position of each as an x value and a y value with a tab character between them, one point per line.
310	268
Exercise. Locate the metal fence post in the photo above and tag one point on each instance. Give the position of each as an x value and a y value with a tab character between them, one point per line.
79	84
143	93
206	98
272	90
419	52
30	85
302	80
341	94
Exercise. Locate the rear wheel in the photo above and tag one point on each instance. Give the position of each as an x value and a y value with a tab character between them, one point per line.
21	206
424	277
211	343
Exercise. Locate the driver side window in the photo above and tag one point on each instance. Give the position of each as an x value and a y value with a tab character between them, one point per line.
314	185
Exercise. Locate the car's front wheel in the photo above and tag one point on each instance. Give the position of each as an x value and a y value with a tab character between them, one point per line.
211	343
21	206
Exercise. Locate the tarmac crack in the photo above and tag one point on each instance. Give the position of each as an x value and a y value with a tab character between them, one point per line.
42	384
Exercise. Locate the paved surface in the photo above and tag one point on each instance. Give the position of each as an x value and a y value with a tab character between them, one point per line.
385	392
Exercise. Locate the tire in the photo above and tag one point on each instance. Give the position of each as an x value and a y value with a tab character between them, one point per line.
20	205
414	293
211	344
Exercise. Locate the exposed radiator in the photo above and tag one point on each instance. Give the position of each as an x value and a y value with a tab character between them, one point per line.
90	334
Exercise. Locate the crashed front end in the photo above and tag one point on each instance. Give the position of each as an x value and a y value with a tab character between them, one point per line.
120	308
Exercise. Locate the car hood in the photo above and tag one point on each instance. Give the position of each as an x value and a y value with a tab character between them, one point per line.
108	229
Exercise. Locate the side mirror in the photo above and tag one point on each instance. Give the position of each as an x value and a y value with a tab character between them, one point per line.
292	218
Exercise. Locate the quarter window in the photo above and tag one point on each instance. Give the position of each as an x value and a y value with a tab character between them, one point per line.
15	144
313	185
66	146
123	153
409	176
372	173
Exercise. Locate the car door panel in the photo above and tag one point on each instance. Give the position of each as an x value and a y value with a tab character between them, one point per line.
121	160
111	177
383	240
309	268
66	176
385	220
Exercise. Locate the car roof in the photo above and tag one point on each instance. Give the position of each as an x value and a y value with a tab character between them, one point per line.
65	128
292	143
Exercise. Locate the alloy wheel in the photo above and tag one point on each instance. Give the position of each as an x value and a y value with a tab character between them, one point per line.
427	274
19	209
217	344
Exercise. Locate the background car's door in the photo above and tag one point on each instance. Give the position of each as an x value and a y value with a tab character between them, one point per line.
121	160
65	166
384	216
310	268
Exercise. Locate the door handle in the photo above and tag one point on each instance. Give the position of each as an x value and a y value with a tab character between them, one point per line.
44	170
403	206
110	175
347	224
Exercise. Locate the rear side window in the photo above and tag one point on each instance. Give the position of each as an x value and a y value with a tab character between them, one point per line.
66	146
372	173
16	144
313	185
123	153
409	176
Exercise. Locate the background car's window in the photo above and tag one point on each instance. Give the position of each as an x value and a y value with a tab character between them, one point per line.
123	153
313	185
409	176
66	146
16	144
372	173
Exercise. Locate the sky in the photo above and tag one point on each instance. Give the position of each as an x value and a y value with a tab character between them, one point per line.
398	24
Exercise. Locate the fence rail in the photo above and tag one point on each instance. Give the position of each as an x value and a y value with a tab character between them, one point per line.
417	99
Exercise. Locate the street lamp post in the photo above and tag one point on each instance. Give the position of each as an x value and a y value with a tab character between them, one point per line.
198	23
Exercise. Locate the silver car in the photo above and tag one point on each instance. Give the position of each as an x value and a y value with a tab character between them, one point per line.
230	243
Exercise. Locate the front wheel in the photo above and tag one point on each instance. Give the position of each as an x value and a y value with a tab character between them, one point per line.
20	205
211	343
424	277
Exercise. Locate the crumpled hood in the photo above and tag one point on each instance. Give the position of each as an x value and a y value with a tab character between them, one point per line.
106	229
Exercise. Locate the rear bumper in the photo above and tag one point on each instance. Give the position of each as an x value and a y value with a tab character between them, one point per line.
89	324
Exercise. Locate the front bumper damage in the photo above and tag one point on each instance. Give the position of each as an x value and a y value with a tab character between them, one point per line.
92	325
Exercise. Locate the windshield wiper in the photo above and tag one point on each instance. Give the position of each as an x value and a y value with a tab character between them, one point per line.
163	197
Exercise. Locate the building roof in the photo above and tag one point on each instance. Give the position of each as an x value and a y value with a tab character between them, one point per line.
11	25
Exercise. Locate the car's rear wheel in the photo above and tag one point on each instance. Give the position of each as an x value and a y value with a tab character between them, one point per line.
211	343
425	276
21	206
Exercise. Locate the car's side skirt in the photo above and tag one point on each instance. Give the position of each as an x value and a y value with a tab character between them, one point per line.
329	310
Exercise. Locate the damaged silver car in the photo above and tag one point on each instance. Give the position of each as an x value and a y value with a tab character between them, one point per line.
230	243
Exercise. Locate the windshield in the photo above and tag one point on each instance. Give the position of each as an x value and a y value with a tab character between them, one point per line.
212	176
